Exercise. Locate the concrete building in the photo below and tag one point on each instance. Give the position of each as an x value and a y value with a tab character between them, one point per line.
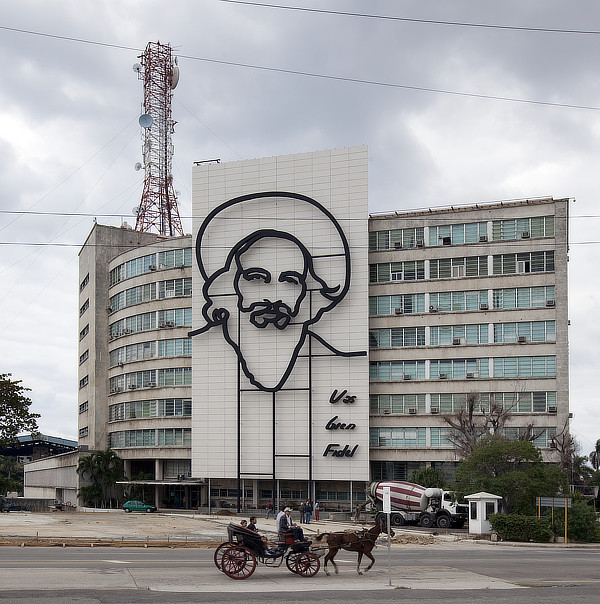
135	357
466	303
452	305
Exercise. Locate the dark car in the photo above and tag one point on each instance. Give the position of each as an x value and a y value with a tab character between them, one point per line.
138	506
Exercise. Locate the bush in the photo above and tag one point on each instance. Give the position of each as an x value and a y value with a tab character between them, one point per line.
581	522
515	527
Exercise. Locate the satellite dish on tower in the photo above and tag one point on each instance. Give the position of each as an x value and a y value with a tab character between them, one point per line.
174	77
137	68
145	120
138	166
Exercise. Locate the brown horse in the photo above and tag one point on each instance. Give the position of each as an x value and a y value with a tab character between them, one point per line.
362	543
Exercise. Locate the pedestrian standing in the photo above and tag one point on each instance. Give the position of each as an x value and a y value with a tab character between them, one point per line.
269	510
317	511
302	512
308	510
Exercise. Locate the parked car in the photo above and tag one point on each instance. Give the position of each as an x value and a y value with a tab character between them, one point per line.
138	506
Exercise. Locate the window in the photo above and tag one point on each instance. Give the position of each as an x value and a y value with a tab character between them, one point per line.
459	369
446	335
132	268
473	510
457	234
528	262
397	271
397	337
175	348
440	437
84	357
178	376
523	297
83	382
403	438
396	370
175	258
84	307
511	367
83	284
526	331
133	295
84	332
133	324
490	508
398	304
458	301
446	268
396	239
175	287
83	432
177	317
84	407
520	228
133	352
396	403
526	402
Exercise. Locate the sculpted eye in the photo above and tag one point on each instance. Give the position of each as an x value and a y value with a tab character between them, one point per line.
291	277
252	274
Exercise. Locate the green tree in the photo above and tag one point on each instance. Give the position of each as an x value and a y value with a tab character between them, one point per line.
11	475
101	469
512	469
594	456
15	416
428	477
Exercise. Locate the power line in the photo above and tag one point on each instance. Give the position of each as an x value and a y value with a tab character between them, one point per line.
325	76
413	20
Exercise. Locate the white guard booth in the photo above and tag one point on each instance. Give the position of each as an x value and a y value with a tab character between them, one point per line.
481	507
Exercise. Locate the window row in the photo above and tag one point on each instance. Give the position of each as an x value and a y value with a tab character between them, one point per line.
507	298
412	438
175	317
469	266
176	376
457	234
162	407
457	369
151	291
160	437
84	307
452	402
176	347
150	262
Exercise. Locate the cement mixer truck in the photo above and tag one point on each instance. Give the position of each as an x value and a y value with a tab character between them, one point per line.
414	504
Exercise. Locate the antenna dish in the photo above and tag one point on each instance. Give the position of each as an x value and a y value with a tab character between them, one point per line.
174	77
135	210
137	68
145	120
138	166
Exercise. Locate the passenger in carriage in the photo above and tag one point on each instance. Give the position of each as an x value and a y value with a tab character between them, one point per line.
285	524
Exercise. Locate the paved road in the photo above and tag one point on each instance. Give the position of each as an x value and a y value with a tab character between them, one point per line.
455	572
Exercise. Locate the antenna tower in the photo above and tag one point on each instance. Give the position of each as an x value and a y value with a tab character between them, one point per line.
158	207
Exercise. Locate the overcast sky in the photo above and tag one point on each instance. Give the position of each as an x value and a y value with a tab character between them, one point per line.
452	114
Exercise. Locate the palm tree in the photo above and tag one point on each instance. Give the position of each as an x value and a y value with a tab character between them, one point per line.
102	469
594	456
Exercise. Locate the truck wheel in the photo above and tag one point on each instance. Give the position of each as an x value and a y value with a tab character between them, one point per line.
443	521
427	520
398	520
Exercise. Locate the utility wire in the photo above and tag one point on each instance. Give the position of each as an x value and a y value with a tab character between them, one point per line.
413	20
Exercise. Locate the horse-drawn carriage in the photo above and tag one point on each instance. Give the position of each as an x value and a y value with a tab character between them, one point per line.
238	556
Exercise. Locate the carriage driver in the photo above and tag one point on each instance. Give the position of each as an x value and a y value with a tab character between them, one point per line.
285	524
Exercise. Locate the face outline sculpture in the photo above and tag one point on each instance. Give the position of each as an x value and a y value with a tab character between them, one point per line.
268	282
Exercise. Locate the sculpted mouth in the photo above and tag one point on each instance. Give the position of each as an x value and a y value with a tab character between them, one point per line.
264	318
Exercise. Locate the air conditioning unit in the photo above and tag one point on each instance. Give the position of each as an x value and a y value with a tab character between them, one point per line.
162	266
398	245
433	308
455	341
483	238
151	384
152	267
118	389
109	309
387	411
412	411
443	376
113	390
550	302
420	243
446	240
132	386
552	409
522	339
470	376
525	235
484	306
169	324
407	376
435	410
398	310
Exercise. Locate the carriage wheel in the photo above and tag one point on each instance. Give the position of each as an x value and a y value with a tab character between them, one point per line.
238	562
219	555
307	564
290	562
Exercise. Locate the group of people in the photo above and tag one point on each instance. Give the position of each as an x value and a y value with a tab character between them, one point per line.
306	511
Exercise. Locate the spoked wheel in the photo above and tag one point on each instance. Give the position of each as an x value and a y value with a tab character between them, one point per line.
290	561
307	564
238	562
218	557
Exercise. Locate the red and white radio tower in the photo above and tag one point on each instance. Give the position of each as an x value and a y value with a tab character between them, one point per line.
158	207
